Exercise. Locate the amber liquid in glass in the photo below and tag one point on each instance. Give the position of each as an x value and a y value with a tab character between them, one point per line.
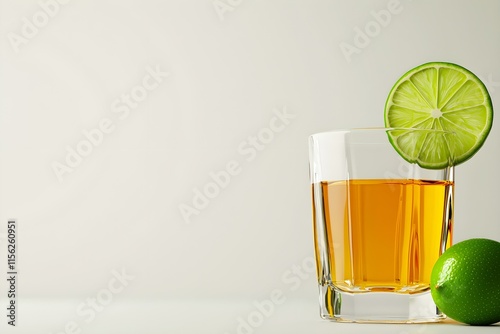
382	234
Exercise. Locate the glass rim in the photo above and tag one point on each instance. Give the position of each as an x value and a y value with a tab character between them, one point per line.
380	129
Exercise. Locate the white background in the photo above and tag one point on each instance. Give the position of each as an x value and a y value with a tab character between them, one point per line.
231	69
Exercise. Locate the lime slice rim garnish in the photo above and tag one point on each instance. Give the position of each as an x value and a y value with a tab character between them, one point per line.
419	107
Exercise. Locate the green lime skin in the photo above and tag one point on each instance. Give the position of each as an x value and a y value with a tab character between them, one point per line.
465	282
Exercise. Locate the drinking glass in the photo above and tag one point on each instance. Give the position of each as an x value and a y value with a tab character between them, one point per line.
380	223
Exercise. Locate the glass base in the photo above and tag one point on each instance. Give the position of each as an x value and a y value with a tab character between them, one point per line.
377	307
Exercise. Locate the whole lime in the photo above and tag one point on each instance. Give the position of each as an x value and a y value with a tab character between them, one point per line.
465	282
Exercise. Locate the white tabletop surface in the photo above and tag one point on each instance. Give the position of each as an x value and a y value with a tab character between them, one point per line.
200	316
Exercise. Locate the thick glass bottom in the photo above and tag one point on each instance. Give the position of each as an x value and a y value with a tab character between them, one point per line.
377	307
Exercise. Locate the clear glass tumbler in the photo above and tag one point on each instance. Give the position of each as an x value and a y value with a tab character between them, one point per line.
380	223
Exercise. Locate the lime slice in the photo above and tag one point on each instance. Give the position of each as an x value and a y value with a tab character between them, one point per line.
439	96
